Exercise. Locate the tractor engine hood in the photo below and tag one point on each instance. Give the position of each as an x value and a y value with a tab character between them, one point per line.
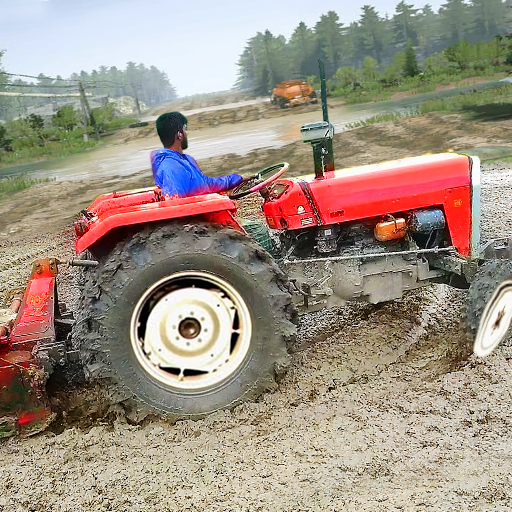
447	181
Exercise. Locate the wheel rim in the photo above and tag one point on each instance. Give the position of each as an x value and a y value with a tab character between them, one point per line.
496	320
191	330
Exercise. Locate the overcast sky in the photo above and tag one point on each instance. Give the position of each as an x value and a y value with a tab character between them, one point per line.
196	42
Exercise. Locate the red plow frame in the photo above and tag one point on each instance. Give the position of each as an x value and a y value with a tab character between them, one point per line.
23	405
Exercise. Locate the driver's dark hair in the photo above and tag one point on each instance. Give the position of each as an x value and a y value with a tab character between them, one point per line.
168	125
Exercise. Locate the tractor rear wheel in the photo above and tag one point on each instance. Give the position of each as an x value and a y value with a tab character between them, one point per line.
182	321
488	278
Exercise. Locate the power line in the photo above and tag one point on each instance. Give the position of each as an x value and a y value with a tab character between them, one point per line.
39	95
93	82
40	85
36	77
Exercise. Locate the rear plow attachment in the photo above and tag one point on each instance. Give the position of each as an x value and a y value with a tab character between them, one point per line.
32	342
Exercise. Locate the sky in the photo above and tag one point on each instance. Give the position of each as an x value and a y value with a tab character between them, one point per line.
196	42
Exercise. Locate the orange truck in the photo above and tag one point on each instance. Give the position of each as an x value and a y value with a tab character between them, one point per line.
292	93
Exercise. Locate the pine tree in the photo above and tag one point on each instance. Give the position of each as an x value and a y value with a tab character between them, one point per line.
329	35
488	18
404	24
303	51
455	21
373	37
411	67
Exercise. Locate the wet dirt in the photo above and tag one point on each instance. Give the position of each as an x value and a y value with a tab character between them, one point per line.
375	413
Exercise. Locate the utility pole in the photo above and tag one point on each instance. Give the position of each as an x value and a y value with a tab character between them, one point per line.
88	115
84	110
137	104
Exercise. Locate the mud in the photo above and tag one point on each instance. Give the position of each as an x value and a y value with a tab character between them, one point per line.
375	413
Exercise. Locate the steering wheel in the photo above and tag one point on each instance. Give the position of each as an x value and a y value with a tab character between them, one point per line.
258	181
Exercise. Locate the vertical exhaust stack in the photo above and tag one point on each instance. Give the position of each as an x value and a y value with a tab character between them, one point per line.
320	134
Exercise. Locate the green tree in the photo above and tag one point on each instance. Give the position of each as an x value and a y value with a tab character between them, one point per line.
37	125
5	141
373	37
66	119
491	53
44	83
455	21
411	67
488	18
371	71
461	54
22	134
404	24
394	71
36	122
328	31
428	30
345	76
104	115
5	103
303	48
131	78
436	64
263	63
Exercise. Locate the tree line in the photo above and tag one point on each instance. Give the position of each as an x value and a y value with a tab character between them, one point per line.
268	59
149	84
64	132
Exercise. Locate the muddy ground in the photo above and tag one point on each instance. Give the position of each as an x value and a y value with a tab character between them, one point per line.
374	414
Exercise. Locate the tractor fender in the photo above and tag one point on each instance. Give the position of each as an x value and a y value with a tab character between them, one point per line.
122	209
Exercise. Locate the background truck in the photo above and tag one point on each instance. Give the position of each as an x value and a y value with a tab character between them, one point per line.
292	93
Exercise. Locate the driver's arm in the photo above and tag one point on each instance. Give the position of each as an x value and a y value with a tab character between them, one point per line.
203	184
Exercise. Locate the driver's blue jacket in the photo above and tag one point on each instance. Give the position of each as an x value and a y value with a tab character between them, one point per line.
178	175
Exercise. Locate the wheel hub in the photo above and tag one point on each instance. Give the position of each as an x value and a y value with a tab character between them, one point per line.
191	330
496	320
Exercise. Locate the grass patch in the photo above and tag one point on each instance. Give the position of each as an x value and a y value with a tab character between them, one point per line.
15	183
382	118
375	91
487	105
51	150
493	101
366	96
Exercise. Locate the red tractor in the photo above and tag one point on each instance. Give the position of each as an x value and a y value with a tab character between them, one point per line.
186	309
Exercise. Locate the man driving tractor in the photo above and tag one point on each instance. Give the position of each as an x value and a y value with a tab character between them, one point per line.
176	173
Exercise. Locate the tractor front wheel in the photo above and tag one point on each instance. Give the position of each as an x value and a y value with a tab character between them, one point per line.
488	313
185	320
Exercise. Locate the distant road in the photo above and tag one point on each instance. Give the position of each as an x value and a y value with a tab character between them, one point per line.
225	106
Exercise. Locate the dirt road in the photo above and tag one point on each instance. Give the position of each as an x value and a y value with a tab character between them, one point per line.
374	414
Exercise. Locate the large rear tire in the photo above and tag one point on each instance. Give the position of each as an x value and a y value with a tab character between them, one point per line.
183	321
488	278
